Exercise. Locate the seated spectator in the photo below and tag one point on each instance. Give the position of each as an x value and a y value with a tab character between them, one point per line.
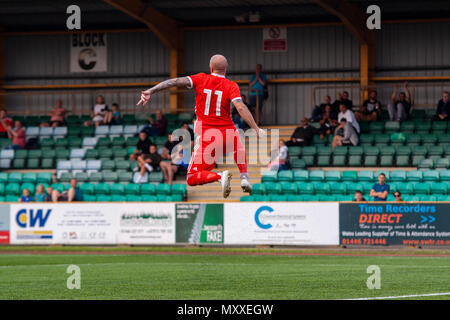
5	122
177	160
48	196
168	147
303	135
98	113
148	162
114	117
142	146
40	194
344	135
157	127
342	99
349	116
281	159
398	196
359	196
400	108
58	115
380	190
73	194
320	109
370	108
17	135
327	123
26	196
443	108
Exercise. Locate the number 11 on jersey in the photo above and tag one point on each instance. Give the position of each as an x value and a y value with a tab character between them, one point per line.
208	101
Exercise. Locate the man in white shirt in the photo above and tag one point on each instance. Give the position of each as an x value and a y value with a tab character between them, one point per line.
349	116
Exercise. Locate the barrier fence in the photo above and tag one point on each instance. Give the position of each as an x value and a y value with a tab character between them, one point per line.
256	223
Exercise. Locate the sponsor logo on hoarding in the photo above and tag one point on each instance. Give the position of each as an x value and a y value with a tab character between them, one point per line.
4	237
257	217
33	218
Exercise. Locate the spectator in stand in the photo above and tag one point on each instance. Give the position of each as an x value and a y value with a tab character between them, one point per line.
5	122
257	83
186	127
344	135
177	161
99	112
114	117
142	146
349	116
303	135
320	109
399	108
380	190
58	115
73	194
443	108
398	196
359	196
40	194
157	127
166	153
370	108
17	135
328	122
26	196
281	159
48	196
148	161
342	99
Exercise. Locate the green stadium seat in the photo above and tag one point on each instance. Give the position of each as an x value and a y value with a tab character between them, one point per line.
370	160
118	141
398	176
103	142
422	188
308	160
426	164
149	198
413	139
269	176
272	188
324	151
95	177
382	139
438	188
133	198
309	151
122	164
294	151
132	142
442	163
414	176
323	161
332	176
402	161
15	177
12	188
352	187
377	173
278	198
337	188
317	141
350	176
62	154
33	163
371	151
105	153
179	188
110	176
285	175
305	188
91	154
103	198
429	139
163	198
301	175
316	175
288	188
81	177
439	127
354	160
164	189
132	189
367	139
65	177
88	189
415	160
73	131
247	198
364	176
377	127
423	127
444	138
30	186
155	177
12	198
364	126
44	177
297	164
20	154
29	177
258	188
322	188
119	153
435	151
310	198
391	127
108	164
408	127
18	164
117	188
118	198
431	175
102	188
339	160
125	176
406	188
293	198
398	139
148	189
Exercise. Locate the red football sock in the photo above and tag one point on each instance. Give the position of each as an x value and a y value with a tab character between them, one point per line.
202	177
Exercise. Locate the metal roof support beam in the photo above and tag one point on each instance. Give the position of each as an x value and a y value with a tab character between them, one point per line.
169	31
355	21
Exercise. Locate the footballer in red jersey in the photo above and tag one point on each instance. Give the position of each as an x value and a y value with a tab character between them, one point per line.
216	133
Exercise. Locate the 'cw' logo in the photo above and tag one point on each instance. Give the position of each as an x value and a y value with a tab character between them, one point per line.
35	216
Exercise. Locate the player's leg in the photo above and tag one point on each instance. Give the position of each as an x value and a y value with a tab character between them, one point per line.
240	157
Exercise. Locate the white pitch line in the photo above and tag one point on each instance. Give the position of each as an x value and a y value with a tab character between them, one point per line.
408	296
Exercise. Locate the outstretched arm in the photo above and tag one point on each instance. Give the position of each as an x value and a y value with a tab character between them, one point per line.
175	82
247	116
408	94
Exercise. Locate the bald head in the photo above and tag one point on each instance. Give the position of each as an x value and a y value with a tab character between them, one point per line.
218	64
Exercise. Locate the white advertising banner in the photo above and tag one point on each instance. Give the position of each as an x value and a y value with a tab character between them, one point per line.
281	223
88	52
41	223
147	224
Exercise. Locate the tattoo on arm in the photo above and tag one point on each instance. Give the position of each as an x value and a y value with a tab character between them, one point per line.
175	82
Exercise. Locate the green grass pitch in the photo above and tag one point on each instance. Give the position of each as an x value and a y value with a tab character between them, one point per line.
224	276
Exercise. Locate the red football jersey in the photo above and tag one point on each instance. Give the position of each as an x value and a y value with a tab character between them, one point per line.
214	94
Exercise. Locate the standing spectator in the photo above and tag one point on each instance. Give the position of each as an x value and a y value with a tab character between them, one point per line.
344	135
370	108
328	122
26	196
380	190
281	160
142	146
342	99
398	196
320	109
359	196
73	194
399	108
58	114
40	194
5	122
303	135
17	135
257	83
349	116
99	112
443	108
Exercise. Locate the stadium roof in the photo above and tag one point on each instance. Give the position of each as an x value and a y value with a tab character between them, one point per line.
37	15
